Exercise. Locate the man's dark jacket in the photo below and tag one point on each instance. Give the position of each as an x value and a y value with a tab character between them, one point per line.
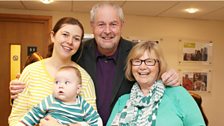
88	62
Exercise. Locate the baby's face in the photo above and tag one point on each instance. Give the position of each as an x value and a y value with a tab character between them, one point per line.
67	86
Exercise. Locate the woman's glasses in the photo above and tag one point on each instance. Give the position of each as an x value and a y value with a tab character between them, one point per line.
148	62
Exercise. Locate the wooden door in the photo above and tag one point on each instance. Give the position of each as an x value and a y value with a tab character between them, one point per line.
26	30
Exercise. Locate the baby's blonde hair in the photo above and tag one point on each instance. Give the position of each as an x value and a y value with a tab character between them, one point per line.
72	68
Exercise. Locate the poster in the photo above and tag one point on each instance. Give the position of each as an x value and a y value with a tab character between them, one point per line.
196	80
196	52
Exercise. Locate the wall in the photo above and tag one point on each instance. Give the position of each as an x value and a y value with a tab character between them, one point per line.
170	30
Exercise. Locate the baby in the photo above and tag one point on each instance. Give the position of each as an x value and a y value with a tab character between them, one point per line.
64	104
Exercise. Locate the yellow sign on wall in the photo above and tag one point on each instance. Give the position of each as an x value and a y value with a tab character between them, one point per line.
15	60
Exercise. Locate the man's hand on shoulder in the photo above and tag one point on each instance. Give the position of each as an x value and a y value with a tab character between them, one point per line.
16	87
171	78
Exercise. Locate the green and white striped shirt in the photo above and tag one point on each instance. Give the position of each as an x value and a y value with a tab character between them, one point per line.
64	113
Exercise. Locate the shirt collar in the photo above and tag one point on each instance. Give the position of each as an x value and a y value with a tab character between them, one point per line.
113	57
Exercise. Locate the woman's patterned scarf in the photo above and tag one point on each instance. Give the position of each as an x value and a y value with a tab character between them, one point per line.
141	110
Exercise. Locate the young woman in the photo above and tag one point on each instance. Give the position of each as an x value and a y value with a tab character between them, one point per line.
66	35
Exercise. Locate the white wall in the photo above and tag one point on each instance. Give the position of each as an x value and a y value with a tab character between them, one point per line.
170	31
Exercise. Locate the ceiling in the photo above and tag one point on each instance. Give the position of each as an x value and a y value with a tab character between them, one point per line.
209	10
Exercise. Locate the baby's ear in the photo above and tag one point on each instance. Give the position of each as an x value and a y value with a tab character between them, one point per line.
79	87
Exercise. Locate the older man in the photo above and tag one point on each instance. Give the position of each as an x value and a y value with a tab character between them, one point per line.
104	57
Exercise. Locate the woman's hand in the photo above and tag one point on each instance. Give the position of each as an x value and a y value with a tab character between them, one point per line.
50	121
77	124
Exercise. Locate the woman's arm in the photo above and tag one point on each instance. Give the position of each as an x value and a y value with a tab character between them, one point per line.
50	121
20	105
191	113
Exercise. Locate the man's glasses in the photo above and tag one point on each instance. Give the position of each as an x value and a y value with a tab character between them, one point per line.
148	62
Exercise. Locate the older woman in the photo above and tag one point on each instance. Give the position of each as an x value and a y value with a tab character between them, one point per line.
150	103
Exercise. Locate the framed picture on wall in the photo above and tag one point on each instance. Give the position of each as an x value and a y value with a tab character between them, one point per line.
196	52
136	39
196	80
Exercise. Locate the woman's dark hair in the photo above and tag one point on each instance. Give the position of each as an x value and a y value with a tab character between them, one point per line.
50	48
68	20
58	25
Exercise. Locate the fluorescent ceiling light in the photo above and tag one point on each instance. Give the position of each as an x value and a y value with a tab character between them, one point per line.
191	10
46	1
